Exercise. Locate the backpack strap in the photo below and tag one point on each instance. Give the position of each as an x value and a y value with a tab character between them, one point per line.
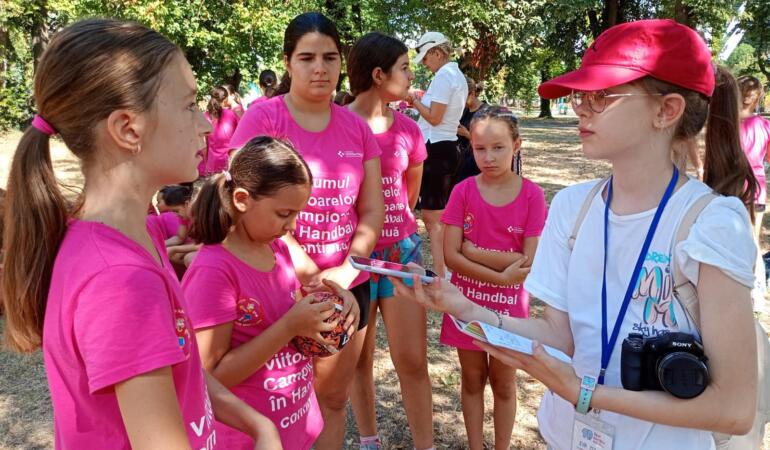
684	290
584	211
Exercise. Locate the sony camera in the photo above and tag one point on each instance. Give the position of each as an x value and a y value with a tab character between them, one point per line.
671	362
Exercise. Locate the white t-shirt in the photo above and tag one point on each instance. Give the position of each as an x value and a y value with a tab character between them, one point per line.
572	282
449	88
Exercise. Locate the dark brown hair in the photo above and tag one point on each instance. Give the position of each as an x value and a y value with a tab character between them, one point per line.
748	86
218	96
309	22
267	81
373	50
89	69
725	167
262	167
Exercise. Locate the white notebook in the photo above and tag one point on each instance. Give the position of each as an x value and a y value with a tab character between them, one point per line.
496	336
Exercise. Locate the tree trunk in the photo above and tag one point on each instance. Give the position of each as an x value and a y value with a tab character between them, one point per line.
594	24
235	79
39	31
545	104
611	10
682	13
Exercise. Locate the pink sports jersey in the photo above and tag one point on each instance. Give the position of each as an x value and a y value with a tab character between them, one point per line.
496	228
169	222
221	288
336	157
113	313
755	139
402	146
219	141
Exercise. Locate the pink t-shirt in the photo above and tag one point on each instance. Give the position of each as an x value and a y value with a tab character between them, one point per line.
221	288
113	313
336	157
402	146
219	141
755	138
496	228
169	222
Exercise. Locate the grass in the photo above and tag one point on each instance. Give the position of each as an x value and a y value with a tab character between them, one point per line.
552	158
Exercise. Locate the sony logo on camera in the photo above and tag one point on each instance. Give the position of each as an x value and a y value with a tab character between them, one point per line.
681	344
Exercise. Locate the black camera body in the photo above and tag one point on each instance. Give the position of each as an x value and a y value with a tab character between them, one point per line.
671	362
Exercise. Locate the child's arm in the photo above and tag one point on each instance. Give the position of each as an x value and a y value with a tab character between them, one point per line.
413	178
306	269
150	409
498	261
233	365
457	262
173	240
234	412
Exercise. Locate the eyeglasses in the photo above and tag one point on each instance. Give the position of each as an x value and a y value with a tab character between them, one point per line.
597	100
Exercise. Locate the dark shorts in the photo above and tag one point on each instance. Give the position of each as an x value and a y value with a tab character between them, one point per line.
759	208
438	172
362	294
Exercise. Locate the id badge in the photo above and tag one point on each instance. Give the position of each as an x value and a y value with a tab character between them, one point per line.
589	432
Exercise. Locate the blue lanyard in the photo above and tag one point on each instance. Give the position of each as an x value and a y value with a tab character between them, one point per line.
608	346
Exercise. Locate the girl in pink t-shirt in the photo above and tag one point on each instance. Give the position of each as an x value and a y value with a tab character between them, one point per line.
378	67
94	287
345	212
242	291
493	224
755	141
174	217
223	124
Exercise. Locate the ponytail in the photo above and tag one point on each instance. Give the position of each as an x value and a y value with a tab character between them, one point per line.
211	217
35	222
284	86
726	168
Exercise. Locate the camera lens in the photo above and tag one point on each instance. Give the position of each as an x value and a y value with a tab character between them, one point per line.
682	375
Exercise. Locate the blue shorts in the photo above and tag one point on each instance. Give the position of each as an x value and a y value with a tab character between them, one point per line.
402	252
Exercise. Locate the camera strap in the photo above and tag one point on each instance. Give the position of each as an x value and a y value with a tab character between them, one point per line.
609	344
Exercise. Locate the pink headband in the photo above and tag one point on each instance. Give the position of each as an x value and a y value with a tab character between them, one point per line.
43	126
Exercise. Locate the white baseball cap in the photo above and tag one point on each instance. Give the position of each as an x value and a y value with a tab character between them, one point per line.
428	41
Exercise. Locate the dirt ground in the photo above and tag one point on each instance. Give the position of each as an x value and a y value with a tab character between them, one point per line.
552	158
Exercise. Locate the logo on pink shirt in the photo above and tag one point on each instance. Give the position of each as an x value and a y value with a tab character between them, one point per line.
250	312
182	332
468	222
350	154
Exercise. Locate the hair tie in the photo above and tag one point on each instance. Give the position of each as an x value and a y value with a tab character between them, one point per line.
227	175
42	125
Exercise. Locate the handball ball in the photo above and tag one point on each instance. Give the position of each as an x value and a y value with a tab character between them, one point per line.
312	348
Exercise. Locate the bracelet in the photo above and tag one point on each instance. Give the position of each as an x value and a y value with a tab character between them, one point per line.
499	317
587	386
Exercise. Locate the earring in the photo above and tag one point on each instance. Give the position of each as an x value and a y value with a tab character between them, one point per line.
137	149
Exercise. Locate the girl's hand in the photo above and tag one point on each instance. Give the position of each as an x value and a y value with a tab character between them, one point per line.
265	434
438	295
350	311
556	375
308	319
515	274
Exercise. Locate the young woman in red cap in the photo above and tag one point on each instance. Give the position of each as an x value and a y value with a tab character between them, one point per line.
641	88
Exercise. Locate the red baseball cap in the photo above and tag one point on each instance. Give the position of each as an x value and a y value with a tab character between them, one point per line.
660	48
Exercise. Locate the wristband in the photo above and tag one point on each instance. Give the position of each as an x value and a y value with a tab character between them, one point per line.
587	386
499	318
